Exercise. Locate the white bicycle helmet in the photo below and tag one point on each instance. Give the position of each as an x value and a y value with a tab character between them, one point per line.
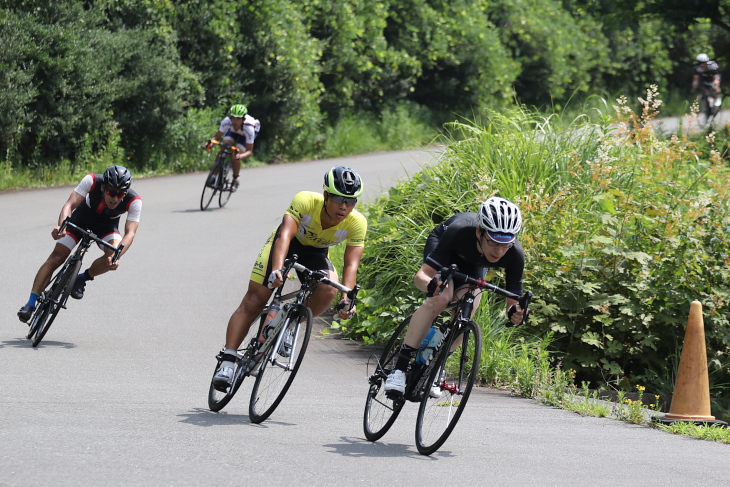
702	58
501	219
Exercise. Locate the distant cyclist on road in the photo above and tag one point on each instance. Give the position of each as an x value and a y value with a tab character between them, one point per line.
313	223
96	204
474	242
708	72
239	129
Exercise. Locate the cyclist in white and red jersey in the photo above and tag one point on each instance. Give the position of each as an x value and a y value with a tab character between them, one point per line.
313	223
707	71
474	242
239	129
96	204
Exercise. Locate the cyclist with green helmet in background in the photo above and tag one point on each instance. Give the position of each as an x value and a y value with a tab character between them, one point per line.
312	223
237	129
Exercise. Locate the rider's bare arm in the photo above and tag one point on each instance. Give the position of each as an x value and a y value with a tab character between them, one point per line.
71	204
247	153
353	255
287	231
423	277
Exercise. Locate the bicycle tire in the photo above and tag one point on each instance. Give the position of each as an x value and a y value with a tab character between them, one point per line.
224	192
208	190
59	296
217	400
39	317
272	380
380	410
437	416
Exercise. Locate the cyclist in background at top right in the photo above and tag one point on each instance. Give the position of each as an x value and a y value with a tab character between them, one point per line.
708	72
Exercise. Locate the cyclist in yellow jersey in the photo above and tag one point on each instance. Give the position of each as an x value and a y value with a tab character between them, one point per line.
312	223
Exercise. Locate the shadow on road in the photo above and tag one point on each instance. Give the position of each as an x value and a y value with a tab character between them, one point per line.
205	417
25	343
360	447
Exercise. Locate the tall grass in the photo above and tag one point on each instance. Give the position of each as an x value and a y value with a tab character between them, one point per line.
407	126
621	230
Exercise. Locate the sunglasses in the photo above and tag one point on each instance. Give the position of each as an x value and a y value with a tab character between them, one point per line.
116	194
343	199
492	243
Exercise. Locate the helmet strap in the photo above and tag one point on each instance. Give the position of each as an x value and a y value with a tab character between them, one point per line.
326	198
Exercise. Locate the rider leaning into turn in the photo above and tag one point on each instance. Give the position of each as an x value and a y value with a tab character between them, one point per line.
96	204
313	223
707	71
239	129
474	242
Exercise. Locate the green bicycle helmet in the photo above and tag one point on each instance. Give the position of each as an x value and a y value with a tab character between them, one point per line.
343	181
238	111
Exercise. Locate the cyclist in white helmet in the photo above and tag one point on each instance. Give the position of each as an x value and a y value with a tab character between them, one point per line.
239	129
707	71
474	242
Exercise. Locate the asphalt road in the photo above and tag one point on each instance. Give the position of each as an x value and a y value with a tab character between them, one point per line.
116	392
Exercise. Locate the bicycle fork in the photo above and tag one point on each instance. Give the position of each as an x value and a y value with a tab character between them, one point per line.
278	336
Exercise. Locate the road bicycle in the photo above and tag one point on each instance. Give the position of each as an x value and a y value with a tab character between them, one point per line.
220	178
443	385
275	362
709	102
56	294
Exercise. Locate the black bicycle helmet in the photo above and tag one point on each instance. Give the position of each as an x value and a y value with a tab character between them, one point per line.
118	177
343	181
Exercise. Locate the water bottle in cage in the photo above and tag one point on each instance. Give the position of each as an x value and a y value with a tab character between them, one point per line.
429	344
272	319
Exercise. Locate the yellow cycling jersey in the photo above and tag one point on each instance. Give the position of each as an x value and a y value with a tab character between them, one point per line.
305	208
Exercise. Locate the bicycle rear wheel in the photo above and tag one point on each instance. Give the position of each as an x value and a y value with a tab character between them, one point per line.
276	372
217	400
212	184
380	410
437	416
59	296
224	193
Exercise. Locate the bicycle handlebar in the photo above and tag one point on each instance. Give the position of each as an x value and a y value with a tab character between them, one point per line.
448	273
225	146
321	276
92	236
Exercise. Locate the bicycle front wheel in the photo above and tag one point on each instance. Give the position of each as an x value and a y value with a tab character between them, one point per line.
445	398
380	410
279	367
218	399
212	184
59	295
226	179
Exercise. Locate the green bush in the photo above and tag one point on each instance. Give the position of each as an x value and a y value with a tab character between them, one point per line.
622	231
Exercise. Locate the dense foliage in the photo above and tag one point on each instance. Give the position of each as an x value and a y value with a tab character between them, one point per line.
622	231
151	79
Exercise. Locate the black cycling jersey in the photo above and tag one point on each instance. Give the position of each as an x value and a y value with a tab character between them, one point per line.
455	242
95	202
708	72
94	215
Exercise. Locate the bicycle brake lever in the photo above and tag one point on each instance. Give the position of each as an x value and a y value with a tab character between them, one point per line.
446	273
117	253
352	296
524	303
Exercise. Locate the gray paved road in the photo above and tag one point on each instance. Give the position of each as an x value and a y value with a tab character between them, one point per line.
116	393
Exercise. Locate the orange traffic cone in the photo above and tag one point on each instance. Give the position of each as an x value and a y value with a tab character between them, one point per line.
691	398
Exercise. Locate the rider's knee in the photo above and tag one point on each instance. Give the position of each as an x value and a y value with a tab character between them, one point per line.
436	304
